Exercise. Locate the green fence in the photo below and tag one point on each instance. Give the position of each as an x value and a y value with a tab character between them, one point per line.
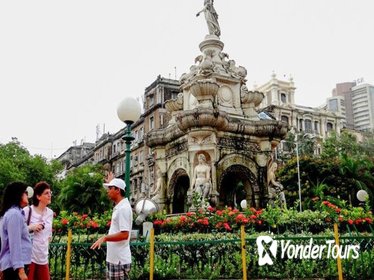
214	259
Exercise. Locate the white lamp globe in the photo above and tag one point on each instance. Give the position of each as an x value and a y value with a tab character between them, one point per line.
362	195
129	110
243	204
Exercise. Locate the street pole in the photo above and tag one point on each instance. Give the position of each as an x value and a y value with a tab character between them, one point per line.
128	139
298	172
129	112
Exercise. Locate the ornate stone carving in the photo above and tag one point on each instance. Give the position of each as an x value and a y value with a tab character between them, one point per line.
275	189
201	117
201	179
225	97
250	100
201	139
204	91
176	148
173	105
239	145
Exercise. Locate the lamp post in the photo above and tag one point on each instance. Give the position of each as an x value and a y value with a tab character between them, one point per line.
298	171
128	111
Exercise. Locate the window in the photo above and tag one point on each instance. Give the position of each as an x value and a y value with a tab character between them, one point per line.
283	98
151	123
136	135
330	126
151	100
316	127
308	126
284	119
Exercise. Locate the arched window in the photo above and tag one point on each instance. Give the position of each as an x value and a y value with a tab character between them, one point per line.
283	98
284	119
308	126
330	126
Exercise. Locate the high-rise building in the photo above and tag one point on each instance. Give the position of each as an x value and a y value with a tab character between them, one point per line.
363	107
355	102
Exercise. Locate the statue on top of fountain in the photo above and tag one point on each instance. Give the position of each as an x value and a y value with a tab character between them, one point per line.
211	18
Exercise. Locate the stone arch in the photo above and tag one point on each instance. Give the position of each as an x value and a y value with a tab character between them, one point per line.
238	159
237	180
236	184
177	191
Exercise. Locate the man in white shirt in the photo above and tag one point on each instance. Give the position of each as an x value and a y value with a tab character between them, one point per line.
118	238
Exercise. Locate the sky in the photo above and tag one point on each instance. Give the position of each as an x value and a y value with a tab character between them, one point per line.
66	65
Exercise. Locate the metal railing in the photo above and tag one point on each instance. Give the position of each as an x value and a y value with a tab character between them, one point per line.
212	259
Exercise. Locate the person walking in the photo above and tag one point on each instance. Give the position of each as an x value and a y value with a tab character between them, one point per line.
15	253
118	238
39	219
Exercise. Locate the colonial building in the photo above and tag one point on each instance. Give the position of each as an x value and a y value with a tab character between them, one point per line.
317	123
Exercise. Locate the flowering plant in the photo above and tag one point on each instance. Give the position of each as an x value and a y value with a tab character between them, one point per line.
96	223
208	220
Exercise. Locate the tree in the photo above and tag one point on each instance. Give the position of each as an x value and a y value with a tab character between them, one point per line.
16	164
82	191
344	168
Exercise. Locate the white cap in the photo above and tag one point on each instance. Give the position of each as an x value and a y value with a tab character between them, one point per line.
119	183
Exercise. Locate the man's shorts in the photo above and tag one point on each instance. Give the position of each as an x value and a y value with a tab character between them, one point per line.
117	271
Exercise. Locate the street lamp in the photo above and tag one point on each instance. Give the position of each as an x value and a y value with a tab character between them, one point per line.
128	111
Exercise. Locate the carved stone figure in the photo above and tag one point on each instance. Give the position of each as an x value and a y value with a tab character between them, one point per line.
211	18
201	182
275	188
157	195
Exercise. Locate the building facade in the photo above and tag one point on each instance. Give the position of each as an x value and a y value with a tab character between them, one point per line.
356	102
279	100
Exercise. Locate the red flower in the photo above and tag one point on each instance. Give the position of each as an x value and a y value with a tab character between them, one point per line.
204	221
92	224
239	218
231	213
64	221
350	222
158	222
227	226
219	212
210	209
245	220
